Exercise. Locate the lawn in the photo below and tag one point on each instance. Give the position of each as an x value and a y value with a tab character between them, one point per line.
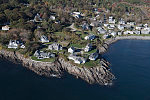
77	45
59	34
92	63
92	51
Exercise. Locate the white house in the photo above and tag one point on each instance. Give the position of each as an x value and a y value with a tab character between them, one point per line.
146	25
121	27
131	23
93	56
113	34
90	37
145	31
111	26
122	22
128	32
101	30
76	14
137	32
105	36
71	50
111	20
44	39
55	46
119	33
5	28
13	44
52	17
22	46
106	25
88	47
138	27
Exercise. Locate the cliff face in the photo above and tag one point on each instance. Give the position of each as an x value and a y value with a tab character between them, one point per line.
100	75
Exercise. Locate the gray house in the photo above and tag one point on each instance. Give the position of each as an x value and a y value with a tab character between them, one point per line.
55	46
43	55
44	39
93	56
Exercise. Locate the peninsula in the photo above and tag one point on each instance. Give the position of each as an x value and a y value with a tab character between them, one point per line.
52	39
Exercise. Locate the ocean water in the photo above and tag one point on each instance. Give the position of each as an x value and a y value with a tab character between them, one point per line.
130	62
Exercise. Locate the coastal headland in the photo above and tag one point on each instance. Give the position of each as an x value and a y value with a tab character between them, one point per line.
94	75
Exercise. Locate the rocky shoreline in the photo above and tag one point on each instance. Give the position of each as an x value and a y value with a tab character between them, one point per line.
95	75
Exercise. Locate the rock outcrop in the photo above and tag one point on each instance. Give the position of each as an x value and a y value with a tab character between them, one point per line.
95	75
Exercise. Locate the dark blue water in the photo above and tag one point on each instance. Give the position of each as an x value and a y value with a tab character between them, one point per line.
130	61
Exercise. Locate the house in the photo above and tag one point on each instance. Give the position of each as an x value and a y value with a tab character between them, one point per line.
128	32
138	27
22	46
71	50
44	39
131	23
88	47
55	46
121	27
52	17
145	25
137	32
145	31
85	26
80	60
90	37
119	33
128	26
76	14
111	26
43	55
113	34
106	25
122	22
13	44
111	20
95	23
76	59
5	28
101	30
93	56
105	36
37	18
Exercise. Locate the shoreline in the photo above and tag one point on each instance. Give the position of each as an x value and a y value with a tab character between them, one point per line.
95	75
110	41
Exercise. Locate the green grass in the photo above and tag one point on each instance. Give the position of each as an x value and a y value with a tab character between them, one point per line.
77	45
92	63
92	51
49	43
43	60
59	34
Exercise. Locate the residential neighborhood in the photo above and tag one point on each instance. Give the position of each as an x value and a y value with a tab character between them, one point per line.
75	35
110	29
